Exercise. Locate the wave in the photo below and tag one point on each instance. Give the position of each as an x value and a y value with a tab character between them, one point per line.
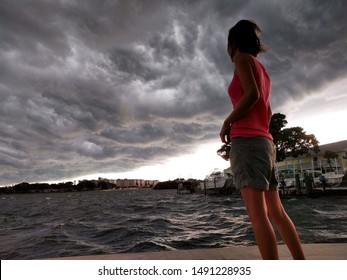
91	223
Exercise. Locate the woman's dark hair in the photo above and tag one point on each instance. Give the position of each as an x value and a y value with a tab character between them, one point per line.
244	36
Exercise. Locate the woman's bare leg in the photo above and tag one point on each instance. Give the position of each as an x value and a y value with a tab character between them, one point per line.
284	224
264	233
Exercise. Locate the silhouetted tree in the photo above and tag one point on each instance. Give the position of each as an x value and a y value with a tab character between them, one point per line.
103	185
291	141
86	185
22	187
277	123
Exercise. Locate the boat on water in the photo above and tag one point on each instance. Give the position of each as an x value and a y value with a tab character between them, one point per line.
287	180
332	178
217	182
319	178
185	187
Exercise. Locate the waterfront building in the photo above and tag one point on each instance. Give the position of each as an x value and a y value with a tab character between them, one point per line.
313	161
135	183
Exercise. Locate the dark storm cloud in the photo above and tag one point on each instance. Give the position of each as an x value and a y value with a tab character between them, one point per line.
307	47
109	86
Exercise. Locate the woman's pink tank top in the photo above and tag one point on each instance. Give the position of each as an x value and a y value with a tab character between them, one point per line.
255	122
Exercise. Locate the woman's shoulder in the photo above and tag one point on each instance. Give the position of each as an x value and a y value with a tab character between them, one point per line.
245	58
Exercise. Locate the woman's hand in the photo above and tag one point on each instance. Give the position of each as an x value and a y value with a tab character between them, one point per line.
224	132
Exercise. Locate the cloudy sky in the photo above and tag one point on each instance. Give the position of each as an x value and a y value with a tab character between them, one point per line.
137	88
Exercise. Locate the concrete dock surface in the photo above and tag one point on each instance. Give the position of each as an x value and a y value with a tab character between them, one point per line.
318	251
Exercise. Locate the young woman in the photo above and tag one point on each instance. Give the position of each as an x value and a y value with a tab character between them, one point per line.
252	155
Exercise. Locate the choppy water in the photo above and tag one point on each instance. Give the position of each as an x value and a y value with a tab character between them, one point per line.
37	226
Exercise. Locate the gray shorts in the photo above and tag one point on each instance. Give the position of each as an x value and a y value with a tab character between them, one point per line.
252	163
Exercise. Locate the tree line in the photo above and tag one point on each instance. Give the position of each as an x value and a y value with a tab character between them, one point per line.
85	185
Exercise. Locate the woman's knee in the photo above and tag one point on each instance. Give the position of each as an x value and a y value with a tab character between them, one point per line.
276	215
274	206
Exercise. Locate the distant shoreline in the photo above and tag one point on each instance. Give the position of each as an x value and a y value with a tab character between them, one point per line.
35	189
